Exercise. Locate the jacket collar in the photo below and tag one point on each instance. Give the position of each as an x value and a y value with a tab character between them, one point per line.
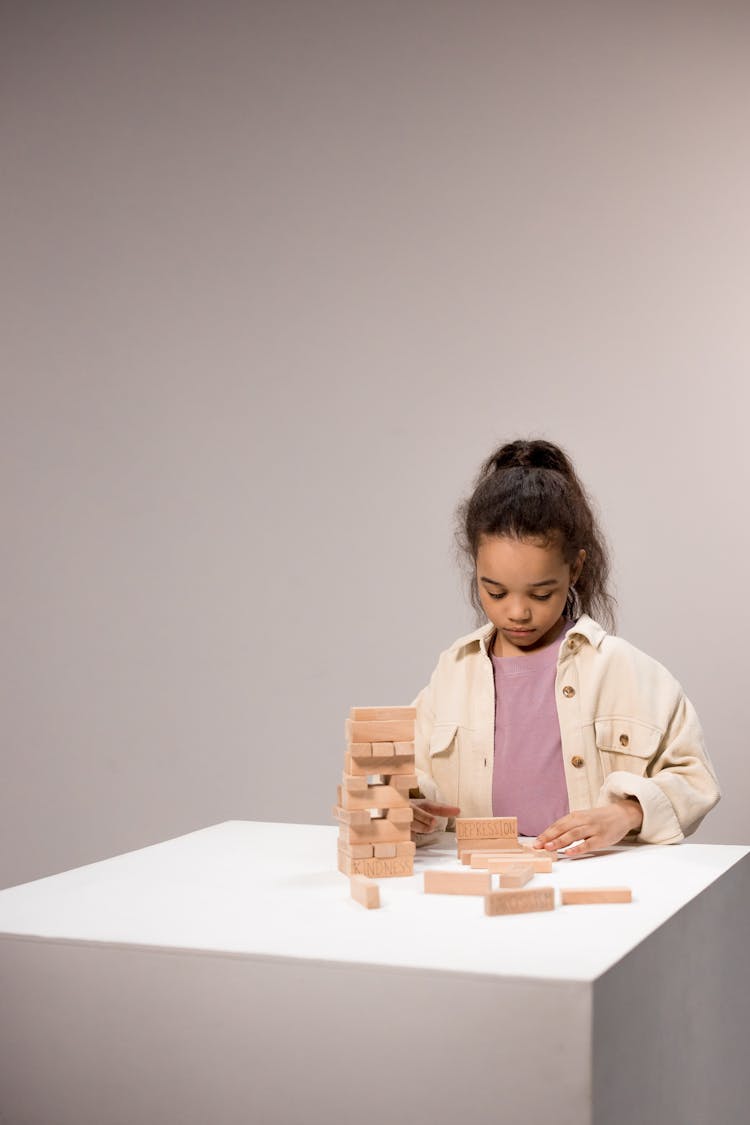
585	626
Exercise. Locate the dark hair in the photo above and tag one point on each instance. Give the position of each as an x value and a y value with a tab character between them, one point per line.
530	490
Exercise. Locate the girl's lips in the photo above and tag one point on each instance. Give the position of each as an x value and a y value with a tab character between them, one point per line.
520	632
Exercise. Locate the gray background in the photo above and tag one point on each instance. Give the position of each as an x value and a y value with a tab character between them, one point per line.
276	278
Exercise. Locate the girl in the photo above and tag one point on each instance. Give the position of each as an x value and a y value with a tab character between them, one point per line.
542	713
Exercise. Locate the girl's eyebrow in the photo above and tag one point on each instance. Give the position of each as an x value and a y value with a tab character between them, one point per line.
532	585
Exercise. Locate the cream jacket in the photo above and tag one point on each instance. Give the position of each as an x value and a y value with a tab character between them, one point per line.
627	729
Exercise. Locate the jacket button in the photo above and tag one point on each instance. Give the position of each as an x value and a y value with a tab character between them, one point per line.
568	691
577	762
624	740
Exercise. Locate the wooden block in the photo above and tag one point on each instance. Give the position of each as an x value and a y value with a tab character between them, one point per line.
389	767
360	749
354	784
382	714
525	901
498	866
440	882
358	851
408	848
376	797
379	730
358	818
405	781
502	852
365	891
384	749
489	845
401	815
376	868
480	828
522	875
404	749
384	851
378	831
580	896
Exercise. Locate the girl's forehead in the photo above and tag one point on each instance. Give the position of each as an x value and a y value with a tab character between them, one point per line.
505	547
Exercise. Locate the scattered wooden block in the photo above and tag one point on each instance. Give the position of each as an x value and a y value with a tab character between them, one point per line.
480	828
439	882
580	896
522	874
526	901
492	844
379	730
382	714
499	865
384	851
365	891
465	854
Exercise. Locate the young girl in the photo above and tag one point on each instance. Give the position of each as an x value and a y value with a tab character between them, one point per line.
542	713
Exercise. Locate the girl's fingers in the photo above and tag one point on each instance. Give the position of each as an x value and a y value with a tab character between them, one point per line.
582	849
580	832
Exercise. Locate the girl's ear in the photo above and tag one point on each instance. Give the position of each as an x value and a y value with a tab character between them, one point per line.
577	567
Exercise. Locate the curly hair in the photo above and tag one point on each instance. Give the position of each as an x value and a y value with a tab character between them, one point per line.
528	489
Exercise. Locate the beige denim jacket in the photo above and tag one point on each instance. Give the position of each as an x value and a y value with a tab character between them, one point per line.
627	729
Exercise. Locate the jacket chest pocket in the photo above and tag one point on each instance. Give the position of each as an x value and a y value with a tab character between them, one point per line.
626	744
444	760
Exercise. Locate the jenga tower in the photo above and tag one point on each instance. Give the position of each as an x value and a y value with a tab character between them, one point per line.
373	809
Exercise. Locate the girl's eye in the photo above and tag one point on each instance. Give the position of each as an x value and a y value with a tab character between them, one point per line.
536	597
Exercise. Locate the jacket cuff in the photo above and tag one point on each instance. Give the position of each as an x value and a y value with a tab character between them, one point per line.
660	823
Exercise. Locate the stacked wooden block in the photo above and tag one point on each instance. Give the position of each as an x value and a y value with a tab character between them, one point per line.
373	810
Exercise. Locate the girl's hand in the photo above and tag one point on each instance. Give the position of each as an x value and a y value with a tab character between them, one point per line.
597	828
425	814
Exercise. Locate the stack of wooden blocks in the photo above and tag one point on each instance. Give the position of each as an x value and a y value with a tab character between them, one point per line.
373	810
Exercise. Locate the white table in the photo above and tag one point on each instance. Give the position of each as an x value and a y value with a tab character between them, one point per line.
227	977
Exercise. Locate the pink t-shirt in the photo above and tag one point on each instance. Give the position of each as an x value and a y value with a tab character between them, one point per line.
528	778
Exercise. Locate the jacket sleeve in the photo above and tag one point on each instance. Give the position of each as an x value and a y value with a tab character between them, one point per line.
427	787
680	786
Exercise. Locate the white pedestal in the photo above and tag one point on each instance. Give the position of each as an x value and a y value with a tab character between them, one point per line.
227	977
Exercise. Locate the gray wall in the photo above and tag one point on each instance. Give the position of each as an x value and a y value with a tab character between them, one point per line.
276	277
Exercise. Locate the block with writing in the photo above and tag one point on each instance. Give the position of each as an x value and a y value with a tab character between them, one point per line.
526	901
479	828
376	868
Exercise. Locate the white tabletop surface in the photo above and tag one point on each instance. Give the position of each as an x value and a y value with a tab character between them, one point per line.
272	890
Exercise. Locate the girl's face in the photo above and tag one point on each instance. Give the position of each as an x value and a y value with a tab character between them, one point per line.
523	588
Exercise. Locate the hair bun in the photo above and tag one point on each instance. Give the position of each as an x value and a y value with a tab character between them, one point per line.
535	454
